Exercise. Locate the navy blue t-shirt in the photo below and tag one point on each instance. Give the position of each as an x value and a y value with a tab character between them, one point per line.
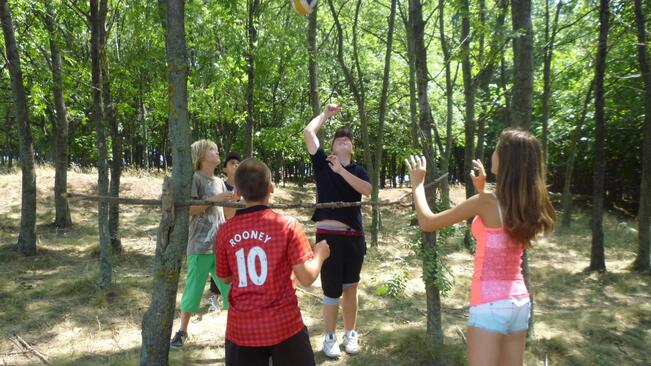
331	187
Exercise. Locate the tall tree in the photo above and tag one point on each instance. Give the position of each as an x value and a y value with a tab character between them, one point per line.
357	88
110	120
252	24
522	93
62	210
597	254
379	145
432	292
105	266
548	54
173	231
643	258
566	197
27	238
449	111
312	65
469	115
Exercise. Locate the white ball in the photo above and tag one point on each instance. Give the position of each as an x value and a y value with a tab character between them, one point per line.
303	7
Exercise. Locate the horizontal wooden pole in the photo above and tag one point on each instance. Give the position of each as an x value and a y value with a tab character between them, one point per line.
143	202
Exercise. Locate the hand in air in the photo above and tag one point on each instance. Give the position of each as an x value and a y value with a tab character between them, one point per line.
335	164
331	110
417	168
479	181
322	249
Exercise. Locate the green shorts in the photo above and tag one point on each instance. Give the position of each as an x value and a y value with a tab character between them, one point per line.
199	267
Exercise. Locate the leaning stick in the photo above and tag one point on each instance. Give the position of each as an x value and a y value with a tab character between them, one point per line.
26	345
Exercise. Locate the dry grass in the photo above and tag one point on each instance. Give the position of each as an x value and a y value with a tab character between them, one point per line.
50	300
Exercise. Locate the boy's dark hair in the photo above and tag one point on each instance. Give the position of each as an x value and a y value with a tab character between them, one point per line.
252	179
343	132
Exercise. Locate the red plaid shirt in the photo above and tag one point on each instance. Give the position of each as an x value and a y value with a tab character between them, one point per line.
258	247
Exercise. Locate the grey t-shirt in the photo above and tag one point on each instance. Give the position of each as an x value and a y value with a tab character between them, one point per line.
203	227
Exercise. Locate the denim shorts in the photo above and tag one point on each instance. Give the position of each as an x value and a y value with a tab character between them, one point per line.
504	316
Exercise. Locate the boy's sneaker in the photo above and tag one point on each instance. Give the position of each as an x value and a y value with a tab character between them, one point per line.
330	346
351	342
213	303
179	338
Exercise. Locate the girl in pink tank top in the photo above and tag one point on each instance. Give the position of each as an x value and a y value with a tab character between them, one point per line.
504	225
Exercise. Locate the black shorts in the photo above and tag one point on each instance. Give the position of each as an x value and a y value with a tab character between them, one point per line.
295	350
344	264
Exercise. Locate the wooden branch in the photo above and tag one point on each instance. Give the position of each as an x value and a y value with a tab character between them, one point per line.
144	202
435	182
26	345
128	201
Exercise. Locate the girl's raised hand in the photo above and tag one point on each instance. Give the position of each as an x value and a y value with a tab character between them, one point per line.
417	169
479	181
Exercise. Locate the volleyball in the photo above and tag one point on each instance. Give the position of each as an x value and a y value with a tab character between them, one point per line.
303	7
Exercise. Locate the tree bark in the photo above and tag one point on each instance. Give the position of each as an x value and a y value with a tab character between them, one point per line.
469	98
357	89
643	259
548	54
597	255
449	98
105	273
253	6
173	229
62	217
116	140
566	198
522	93
375	194
434	326
312	65
27	238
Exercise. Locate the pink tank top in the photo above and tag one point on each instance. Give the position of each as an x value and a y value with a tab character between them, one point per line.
498	262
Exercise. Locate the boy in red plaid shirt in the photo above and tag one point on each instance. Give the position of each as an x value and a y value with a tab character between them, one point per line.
257	250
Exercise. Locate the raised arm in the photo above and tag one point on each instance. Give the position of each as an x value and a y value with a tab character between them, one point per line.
310	131
427	220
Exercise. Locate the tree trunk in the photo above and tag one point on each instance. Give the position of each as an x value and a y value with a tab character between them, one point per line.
357	89
116	139
434	326
469	97
548	54
27	238
250	57
105	267
449	97
375	194
485	75
62	210
643	259
173	229
522	94
597	255
566	198
312	65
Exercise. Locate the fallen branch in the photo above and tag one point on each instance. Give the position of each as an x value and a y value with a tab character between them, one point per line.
463	336
26	345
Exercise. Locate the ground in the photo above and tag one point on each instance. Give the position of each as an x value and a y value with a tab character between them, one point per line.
50	300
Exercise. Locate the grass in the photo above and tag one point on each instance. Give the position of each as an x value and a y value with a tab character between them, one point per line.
51	301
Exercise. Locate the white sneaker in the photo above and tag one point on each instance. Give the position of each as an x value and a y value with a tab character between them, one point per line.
330	346
351	342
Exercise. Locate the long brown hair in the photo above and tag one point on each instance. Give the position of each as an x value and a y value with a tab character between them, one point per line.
521	187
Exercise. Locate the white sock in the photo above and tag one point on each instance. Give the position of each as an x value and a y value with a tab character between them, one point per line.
350	332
